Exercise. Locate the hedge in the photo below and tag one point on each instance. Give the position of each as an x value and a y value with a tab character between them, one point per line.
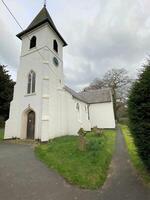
139	113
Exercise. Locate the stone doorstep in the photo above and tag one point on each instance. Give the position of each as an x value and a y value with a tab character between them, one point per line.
19	141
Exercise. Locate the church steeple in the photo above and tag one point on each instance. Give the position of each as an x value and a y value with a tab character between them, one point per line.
42	18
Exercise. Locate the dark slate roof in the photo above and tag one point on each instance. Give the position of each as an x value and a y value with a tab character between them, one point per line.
42	17
92	96
97	96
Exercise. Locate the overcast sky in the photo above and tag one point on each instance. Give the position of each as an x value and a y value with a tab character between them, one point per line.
101	34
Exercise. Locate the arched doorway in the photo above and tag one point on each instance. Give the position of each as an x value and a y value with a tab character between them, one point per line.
30	124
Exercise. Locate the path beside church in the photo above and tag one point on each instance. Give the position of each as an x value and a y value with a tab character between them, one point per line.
23	177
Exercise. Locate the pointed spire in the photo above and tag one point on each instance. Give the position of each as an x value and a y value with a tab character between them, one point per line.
42	18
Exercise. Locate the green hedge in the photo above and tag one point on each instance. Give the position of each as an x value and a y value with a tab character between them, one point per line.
2	122
139	114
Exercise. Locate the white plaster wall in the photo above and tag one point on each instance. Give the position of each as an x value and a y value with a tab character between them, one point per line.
75	119
51	101
102	115
21	100
45	36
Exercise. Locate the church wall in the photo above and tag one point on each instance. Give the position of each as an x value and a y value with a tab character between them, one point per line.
76	119
23	101
45	36
49	104
52	83
102	115
49	78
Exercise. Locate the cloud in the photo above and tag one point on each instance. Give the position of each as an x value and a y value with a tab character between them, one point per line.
102	34
9	50
117	37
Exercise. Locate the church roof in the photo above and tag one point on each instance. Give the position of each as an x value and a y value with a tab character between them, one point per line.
97	96
92	96
75	94
42	17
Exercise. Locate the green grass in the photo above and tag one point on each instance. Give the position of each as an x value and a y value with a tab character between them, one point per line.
86	169
135	158
1	134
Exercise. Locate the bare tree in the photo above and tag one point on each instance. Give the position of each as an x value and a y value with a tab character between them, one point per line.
96	84
118	81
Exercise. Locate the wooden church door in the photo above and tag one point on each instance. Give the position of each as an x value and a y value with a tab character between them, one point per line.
30	125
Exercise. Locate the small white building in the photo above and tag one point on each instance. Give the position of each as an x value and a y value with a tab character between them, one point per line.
43	107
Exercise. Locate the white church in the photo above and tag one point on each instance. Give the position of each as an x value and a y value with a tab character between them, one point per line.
43	107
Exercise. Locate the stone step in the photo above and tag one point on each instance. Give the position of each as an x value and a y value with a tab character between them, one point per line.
19	141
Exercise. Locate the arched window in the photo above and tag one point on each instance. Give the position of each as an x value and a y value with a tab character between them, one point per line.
79	110
77	106
55	46
31	82
33	42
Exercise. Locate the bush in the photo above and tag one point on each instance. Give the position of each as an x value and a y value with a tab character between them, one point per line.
139	114
97	131
124	120
2	122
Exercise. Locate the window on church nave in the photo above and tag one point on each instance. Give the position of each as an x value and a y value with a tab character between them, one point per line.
31	82
77	106
55	46
33	42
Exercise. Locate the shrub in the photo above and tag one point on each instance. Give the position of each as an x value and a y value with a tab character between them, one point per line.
139	114
124	120
97	131
2	122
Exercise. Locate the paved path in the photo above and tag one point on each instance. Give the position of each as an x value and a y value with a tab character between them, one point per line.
23	177
123	182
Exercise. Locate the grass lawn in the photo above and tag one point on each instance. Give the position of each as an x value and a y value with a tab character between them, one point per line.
1	134
86	169
136	160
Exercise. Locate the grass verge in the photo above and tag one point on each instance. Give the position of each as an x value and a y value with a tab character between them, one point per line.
1	134
86	169
135	158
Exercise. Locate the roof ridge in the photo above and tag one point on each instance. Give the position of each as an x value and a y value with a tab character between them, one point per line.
93	90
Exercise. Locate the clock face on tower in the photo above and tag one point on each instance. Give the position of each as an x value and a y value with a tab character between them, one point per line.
55	61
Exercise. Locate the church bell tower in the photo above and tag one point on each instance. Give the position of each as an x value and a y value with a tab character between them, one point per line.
40	76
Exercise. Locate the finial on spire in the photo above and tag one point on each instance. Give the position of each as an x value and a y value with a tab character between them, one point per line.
45	3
